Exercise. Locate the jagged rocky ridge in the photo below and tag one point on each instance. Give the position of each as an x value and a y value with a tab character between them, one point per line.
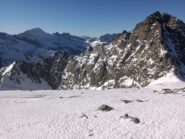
154	48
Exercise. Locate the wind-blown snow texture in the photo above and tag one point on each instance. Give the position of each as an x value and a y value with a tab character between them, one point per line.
154	48
75	115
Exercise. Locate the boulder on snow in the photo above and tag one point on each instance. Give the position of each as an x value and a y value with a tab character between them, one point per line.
126	116
105	108
133	119
168	91
126	101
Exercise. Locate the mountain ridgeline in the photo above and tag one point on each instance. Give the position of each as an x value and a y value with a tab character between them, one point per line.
38	60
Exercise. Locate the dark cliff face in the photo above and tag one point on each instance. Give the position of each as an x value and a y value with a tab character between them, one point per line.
50	70
154	48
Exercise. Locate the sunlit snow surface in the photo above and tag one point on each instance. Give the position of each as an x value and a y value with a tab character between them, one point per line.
59	114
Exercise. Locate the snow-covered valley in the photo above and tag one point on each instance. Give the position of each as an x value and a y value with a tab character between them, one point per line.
74	114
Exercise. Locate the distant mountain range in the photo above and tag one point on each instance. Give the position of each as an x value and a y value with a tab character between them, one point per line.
39	60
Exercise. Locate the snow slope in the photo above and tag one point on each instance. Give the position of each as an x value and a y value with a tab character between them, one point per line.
170	80
60	114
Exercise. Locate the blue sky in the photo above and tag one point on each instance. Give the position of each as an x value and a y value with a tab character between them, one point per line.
82	17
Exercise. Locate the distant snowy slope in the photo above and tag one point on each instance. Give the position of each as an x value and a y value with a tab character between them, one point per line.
35	45
13	49
58	42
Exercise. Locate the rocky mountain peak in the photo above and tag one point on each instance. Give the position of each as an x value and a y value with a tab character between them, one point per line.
155	17
132	59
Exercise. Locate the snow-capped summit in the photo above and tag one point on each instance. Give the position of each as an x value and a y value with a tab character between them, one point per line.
35	33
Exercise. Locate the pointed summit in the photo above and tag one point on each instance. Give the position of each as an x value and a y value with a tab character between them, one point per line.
156	14
155	17
35	31
35	34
